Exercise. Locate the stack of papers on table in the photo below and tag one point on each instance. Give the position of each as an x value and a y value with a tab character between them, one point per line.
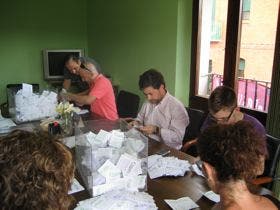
119	200
166	166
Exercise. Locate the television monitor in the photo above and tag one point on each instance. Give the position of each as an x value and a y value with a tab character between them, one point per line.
54	62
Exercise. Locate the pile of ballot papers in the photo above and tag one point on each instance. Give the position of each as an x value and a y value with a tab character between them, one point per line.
166	166
30	106
119	200
111	160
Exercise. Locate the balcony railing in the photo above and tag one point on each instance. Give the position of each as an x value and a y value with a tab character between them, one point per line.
216	32
252	94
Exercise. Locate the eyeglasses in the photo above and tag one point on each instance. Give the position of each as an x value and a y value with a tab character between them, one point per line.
223	119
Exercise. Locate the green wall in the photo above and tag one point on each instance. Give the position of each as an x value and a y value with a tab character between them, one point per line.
128	37
183	55
27	27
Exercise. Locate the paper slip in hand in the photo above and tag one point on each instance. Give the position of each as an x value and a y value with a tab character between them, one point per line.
75	187
83	111
181	203
109	170
212	196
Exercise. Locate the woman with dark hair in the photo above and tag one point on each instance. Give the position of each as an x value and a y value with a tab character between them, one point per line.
232	156
35	172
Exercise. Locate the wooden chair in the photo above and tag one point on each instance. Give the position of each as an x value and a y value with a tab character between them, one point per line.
196	118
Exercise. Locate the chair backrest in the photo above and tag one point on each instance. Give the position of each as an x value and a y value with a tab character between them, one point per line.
127	104
196	119
273	147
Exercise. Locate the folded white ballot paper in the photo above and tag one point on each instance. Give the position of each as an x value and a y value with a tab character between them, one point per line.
184	203
75	187
129	165
116	139
166	166
90	136
102	138
109	170
212	196
119	200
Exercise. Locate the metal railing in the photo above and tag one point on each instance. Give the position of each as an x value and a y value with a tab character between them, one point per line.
252	94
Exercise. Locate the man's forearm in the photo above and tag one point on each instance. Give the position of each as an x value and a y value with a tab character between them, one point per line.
66	84
81	99
83	93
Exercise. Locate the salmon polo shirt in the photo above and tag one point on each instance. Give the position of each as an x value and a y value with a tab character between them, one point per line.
105	104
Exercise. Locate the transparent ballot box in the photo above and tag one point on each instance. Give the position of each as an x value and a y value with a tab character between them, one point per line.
111	157
29	106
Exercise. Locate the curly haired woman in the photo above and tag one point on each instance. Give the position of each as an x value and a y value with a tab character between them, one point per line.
233	155
35	172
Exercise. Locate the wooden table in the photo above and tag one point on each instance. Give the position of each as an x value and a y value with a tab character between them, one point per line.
190	185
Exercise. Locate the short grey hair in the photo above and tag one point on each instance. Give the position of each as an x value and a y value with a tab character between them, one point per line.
85	60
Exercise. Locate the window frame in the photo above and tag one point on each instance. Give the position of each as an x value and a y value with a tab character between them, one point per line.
232	56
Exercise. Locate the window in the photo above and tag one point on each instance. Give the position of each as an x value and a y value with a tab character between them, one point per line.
245	51
241	68
246	9
211	58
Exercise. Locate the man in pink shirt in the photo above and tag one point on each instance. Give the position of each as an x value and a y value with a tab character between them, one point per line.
162	116
101	96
